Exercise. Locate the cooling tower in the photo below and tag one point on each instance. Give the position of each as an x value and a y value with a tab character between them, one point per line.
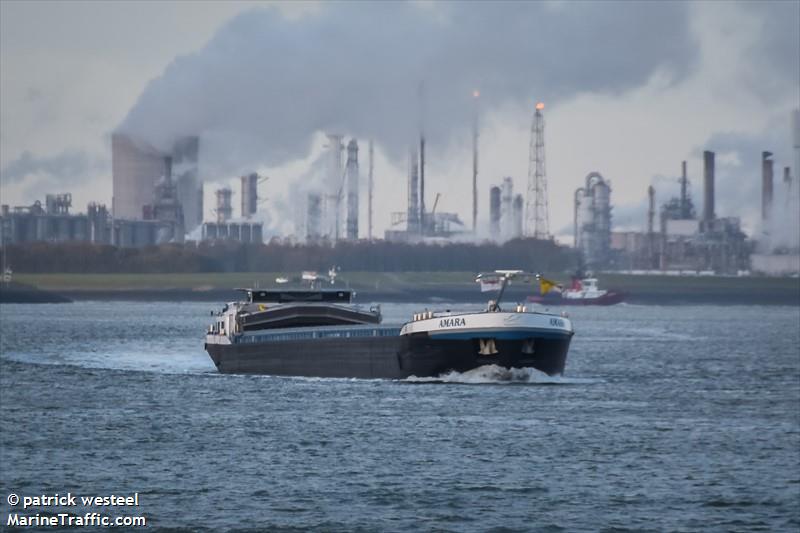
135	167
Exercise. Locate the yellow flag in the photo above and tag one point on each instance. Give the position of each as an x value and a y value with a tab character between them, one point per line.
545	285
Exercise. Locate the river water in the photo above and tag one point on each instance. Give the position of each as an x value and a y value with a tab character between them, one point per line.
679	418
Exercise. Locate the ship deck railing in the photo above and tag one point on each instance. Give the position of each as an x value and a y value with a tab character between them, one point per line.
317	333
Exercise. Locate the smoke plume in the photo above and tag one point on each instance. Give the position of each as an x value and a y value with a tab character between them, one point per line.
67	168
265	83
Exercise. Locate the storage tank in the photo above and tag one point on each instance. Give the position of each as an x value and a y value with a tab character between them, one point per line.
257	233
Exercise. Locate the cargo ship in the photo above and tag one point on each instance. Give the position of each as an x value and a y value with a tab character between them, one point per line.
322	333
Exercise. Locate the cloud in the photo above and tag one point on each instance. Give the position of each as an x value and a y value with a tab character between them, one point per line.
266	83
70	167
774	57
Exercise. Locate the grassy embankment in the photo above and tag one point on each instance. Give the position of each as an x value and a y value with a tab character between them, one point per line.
210	281
391	281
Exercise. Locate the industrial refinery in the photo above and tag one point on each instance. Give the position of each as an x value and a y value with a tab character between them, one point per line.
158	198
683	243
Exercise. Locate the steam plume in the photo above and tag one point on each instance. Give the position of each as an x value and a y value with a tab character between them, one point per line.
265	83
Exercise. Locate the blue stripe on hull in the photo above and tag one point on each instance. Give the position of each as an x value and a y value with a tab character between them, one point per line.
518	334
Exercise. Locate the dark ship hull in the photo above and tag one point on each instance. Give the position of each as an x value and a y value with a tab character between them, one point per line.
381	353
432	357
366	357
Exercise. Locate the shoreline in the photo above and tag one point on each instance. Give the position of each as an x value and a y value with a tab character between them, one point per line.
456	287
455	295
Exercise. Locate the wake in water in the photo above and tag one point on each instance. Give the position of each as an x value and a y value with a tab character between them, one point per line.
160	362
495	374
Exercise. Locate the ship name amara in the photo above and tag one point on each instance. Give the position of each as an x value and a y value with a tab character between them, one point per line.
452	322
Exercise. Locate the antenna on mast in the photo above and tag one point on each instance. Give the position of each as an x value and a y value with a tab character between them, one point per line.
536	210
475	94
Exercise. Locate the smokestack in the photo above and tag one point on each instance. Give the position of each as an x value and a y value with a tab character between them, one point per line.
352	190
412	218
332	206
200	202
249	195
422	157
506	208
422	182
494	213
708	178
245	196
651	214
766	184
519	214
684	203
371	185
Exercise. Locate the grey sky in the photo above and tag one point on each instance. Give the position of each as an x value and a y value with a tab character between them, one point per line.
266	81
631	89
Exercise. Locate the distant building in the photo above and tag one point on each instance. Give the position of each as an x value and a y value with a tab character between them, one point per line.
137	167
776	264
168	212
684	242
246	232
54	224
35	224
506	212
417	225
134	233
592	212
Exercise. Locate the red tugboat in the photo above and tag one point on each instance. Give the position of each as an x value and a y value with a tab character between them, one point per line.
583	292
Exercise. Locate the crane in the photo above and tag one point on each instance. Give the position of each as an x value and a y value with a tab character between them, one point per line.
435	202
